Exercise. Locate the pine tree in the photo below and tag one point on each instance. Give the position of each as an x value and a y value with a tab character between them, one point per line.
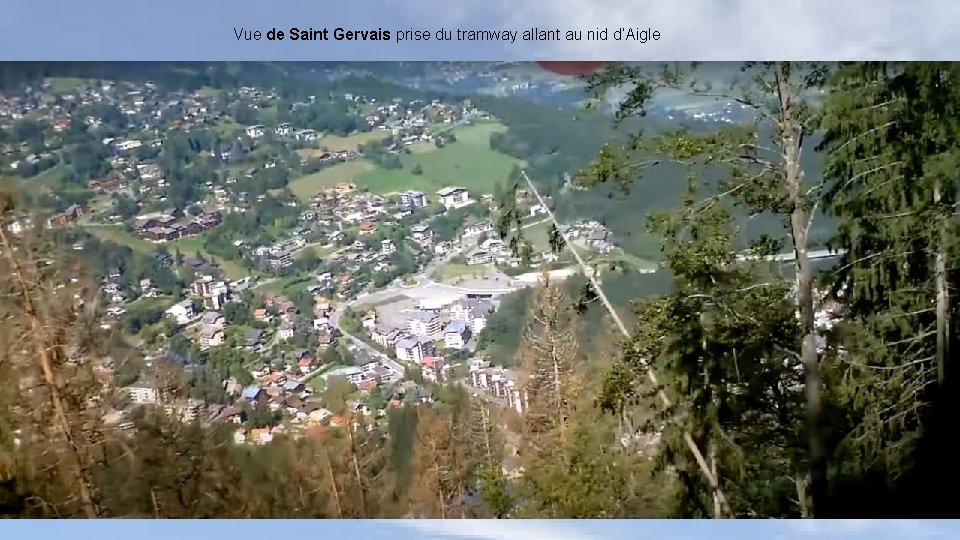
891	154
548	351
50	336
365	457
723	343
486	446
440	467
760	165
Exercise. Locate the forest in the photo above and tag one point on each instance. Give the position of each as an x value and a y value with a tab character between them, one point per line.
738	388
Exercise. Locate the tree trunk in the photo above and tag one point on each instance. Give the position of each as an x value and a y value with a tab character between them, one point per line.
443	509
558	389
333	486
943	295
717	507
791	134
800	481
46	349
356	470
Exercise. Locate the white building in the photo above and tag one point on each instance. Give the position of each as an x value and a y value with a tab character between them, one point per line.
181	312
473	312
413	199
480	257
286	331
213	293
456	335
435	369
255	132
305	135
385	337
454	197
144	392
185	410
425	324
476	229
353	374
498	381
410	350
422	234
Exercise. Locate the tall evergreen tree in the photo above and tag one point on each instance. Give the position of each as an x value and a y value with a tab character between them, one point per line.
759	169
891	153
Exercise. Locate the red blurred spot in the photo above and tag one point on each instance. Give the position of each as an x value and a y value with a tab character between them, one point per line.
572	69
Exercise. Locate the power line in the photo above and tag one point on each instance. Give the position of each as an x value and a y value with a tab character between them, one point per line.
651	376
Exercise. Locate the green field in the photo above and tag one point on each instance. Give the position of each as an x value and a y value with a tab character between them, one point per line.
305	187
187	246
335	143
452	273
469	163
66	85
285	285
116	234
50	178
538	236
162	302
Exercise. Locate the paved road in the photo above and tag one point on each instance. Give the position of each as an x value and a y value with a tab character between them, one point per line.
385	360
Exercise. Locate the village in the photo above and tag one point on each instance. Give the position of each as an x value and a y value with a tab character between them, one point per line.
262	298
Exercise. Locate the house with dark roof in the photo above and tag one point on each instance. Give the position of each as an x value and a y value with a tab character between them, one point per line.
253	338
293	387
163	259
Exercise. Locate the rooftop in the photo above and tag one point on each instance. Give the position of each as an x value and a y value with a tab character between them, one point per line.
450	191
455	327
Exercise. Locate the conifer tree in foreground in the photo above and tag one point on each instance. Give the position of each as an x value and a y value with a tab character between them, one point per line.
892	155
758	171
49	334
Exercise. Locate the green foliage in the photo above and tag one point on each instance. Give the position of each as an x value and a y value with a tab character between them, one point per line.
141	316
890	141
720	333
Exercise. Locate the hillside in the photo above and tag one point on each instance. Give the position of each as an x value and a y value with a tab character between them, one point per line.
468	162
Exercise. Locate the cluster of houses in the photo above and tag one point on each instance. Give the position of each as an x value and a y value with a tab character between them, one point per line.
281	254
590	233
150	114
160	227
429	333
494	250
283	389
282	130
500	382
69	216
278	311
409	123
345	204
